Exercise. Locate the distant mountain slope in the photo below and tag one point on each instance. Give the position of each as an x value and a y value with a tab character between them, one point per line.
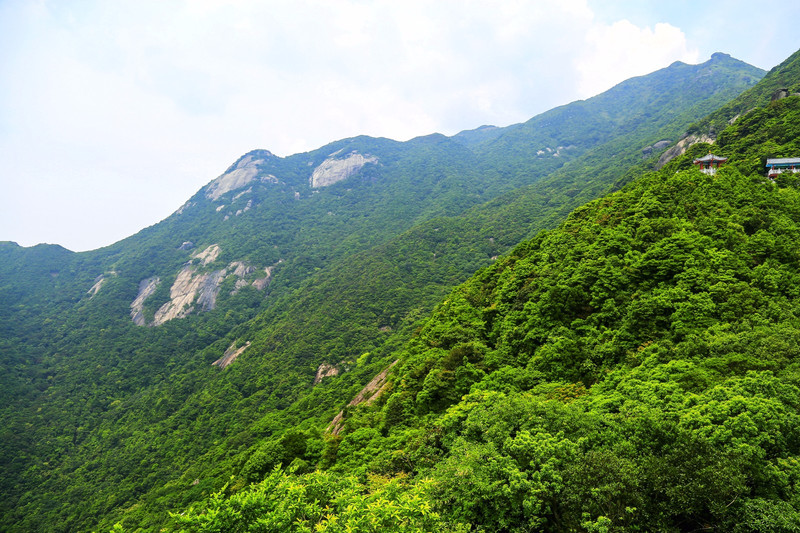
644	104
783	76
635	369
358	240
253	211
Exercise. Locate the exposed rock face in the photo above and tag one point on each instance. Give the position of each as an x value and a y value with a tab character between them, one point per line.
261	283
209	289
182	295
241	269
230	355
656	147
779	94
146	288
243	173
240	284
188	286
98	282
681	147
196	287
187	245
248	191
209	255
184	207
334	170
324	371
734	119
246	208
660	145
368	394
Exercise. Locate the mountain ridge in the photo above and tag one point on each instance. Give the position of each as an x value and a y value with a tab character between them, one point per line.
635	368
153	392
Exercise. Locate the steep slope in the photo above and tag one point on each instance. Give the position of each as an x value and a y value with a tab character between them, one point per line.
123	418
779	82
645	104
386	287
781	77
635	369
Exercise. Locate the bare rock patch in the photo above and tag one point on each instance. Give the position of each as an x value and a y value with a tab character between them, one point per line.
333	170
371	392
243	173
230	355
146	288
325	370
209	255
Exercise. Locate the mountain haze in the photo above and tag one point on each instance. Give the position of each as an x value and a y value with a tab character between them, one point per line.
287	269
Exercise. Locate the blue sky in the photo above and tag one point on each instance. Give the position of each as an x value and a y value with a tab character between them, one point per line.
113	113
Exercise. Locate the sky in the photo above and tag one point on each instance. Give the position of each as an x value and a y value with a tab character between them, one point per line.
112	114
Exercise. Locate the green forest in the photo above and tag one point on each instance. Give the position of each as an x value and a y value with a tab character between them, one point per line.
635	369
596	343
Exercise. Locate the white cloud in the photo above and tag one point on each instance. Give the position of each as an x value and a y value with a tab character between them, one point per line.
622	50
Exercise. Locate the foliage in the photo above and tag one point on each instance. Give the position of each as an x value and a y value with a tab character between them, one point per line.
632	112
633	370
108	422
320	502
783	76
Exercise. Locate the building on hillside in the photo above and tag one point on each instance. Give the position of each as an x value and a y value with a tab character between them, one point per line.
709	164
782	164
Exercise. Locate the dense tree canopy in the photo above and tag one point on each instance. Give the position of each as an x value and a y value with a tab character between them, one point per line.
599	377
635	369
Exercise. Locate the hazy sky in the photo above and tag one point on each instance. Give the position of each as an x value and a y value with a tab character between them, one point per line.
113	113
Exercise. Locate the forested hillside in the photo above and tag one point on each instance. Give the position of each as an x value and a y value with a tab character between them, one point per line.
105	419
631	111
781	78
635	369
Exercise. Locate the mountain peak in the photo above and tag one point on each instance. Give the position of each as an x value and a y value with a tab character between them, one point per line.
237	176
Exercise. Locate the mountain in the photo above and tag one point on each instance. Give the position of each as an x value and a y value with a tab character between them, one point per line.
639	105
780	78
285	272
634	369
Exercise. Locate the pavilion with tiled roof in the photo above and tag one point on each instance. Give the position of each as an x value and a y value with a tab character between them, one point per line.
782	164
710	163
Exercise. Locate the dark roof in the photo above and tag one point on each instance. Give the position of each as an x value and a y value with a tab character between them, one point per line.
784	161
710	158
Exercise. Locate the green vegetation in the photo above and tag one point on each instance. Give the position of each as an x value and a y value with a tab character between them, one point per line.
631	115
321	502
107	422
783	76
635	369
